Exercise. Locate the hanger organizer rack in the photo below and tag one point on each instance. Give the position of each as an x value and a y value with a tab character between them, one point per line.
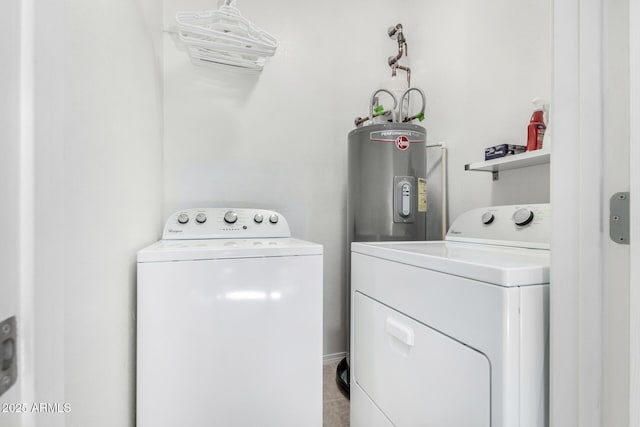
224	37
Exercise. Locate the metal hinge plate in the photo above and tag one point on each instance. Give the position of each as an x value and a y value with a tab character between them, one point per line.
8	346
619	218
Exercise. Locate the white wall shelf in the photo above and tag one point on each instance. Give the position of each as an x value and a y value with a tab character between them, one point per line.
522	160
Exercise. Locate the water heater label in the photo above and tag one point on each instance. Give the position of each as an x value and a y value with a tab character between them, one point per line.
399	137
422	195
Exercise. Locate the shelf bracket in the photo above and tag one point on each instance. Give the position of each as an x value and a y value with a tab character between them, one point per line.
495	175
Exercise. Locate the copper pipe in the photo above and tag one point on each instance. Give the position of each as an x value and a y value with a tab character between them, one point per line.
406	69
360	120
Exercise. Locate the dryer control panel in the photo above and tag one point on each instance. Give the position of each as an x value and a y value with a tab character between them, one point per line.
225	223
524	226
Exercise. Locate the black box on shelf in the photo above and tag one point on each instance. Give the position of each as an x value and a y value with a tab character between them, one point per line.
502	150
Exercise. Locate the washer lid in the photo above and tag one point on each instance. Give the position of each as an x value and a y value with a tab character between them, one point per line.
500	265
192	250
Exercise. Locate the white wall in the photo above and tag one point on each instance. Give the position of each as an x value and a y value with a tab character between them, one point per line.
480	64
48	300
97	197
279	139
113	196
9	152
9	176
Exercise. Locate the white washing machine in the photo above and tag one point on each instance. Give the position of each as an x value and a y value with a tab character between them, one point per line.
229	323
454	333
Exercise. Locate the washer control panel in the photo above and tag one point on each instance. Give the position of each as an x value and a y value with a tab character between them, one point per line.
526	226
225	223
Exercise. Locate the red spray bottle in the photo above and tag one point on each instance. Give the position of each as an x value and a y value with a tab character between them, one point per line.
537	126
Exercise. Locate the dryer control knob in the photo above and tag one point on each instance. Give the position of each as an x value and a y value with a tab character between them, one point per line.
201	218
230	217
523	216
487	218
273	219
183	218
257	218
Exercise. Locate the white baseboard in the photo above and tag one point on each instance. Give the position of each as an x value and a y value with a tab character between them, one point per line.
333	357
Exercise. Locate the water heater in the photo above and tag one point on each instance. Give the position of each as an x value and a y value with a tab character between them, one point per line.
387	189
387	195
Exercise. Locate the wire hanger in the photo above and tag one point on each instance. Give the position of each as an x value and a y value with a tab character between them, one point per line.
224	36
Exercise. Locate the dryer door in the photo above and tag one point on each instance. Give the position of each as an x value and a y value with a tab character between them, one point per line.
416	375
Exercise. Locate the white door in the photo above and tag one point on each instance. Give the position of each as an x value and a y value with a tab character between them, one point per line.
416	375
595	303
634	294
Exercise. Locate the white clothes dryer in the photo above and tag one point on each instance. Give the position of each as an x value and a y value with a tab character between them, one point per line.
229	323
454	333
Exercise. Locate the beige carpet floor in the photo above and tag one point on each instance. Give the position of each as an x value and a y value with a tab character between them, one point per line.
335	405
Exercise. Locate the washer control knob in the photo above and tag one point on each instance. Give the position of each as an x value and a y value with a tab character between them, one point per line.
273	219
523	216
487	218
183	218
201	218
258	218
230	217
